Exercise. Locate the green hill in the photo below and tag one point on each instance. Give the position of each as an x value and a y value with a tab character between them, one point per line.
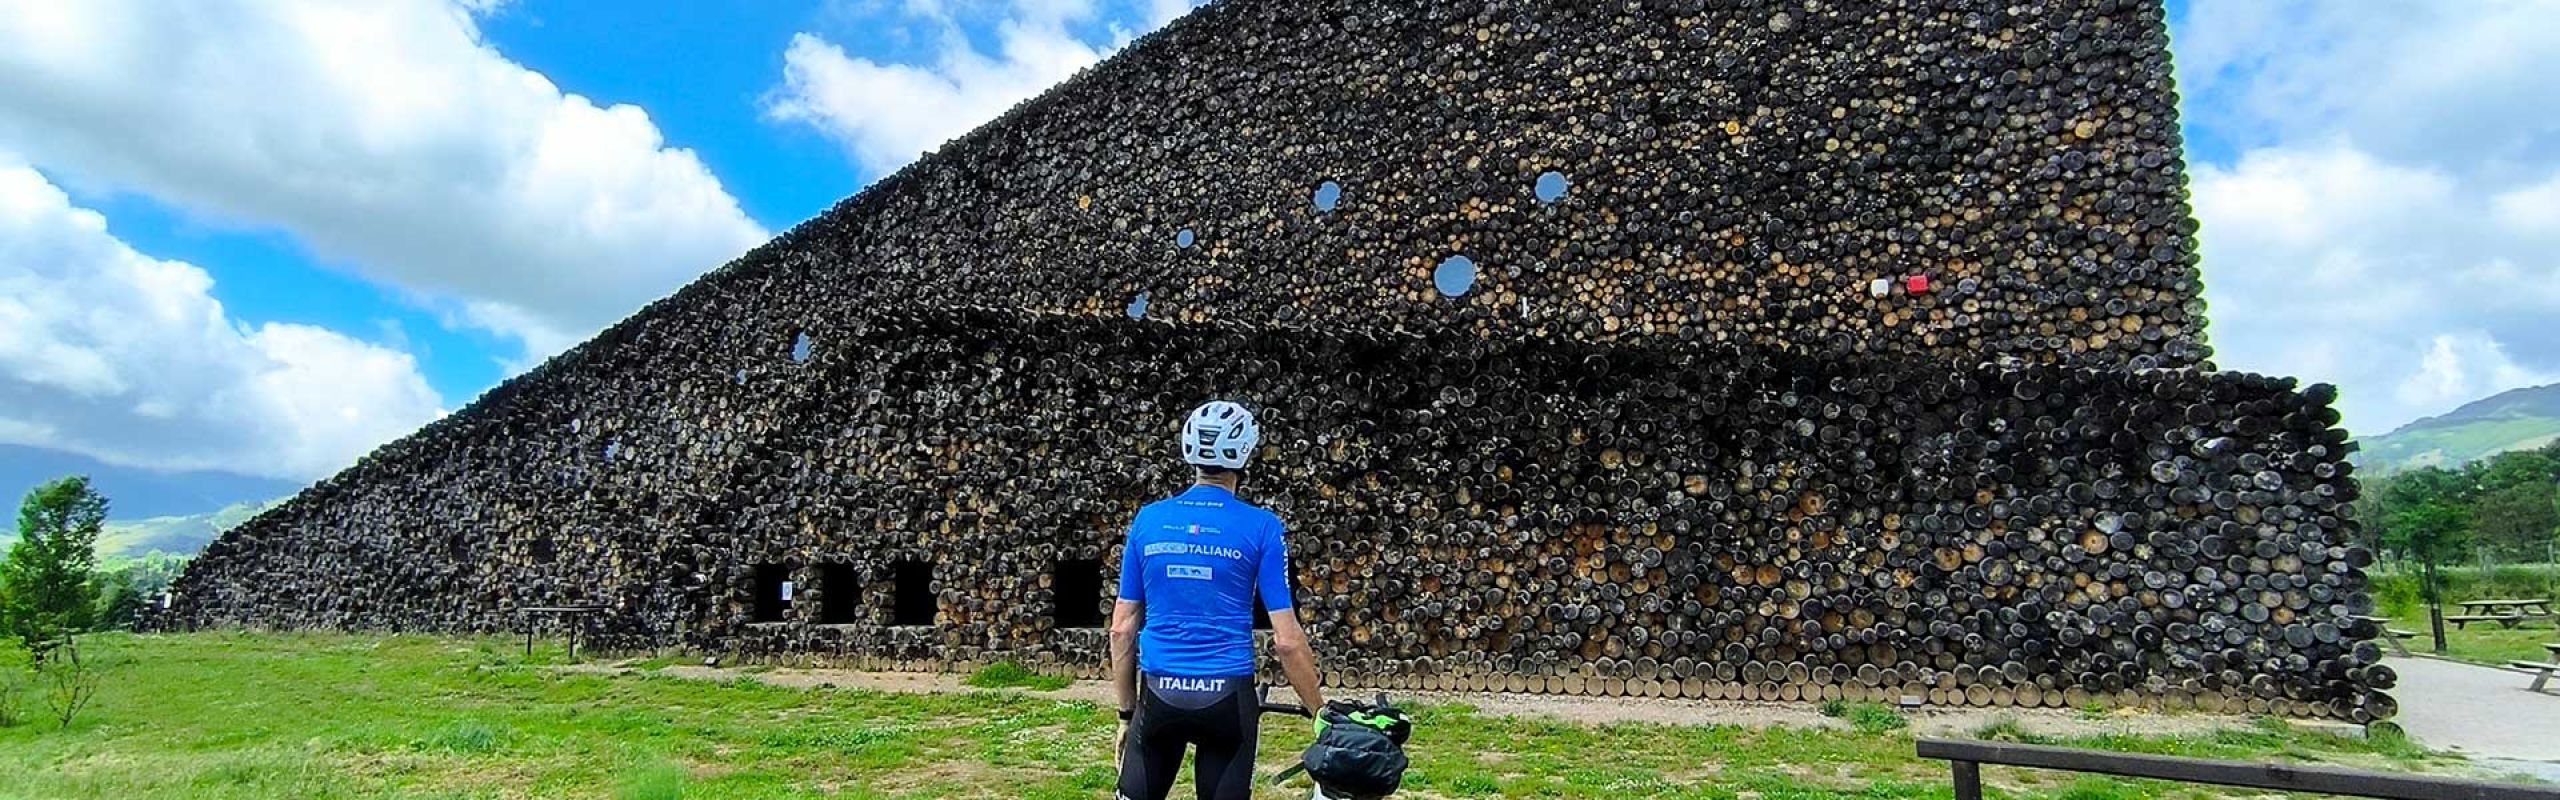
178	536
2510	420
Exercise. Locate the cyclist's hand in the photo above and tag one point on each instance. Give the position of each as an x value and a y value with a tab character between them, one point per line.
1120	743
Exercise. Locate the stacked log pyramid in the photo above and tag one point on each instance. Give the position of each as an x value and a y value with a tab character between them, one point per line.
1731	348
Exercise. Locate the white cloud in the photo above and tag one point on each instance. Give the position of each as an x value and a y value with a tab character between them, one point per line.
2388	222
2464	86
384	134
885	114
2462	367
2393	281
1160	12
2531	210
128	359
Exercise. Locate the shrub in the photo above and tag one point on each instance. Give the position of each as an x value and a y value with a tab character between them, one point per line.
1006	674
67	683
464	737
1874	718
1835	708
2396	595
13	688
2007	729
2517	580
2395	586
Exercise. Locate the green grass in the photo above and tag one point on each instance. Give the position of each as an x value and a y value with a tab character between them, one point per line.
1006	675
1871	718
231	715
661	782
2396	593
2482	642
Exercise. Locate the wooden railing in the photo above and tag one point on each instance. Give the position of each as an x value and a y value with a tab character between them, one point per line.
1967	757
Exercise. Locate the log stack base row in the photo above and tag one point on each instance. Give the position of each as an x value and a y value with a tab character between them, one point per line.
1665	519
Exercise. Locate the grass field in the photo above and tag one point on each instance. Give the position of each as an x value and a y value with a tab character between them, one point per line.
2482	642
231	715
2395	591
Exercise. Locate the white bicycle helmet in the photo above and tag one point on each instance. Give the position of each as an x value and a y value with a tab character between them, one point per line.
1219	434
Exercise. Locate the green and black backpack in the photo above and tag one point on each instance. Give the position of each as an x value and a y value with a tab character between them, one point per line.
1359	751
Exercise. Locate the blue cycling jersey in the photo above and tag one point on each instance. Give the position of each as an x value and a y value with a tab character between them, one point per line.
1196	559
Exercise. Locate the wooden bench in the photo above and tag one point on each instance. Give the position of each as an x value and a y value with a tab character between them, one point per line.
2399	639
2541	672
2394	638
2508	620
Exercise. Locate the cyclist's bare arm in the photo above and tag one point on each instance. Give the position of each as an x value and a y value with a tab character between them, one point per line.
1126	618
1297	657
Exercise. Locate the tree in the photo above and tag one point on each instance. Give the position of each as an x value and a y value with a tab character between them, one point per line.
46	594
2517	468
2431	531
2386	499
2372	516
2518	519
128	587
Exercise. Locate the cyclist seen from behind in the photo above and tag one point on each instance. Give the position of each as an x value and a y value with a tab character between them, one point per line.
1182	634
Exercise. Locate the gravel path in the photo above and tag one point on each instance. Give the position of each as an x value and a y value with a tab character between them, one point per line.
2479	712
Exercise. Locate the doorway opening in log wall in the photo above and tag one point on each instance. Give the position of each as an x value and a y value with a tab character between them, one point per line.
839	594
771	600
914	603
1077	584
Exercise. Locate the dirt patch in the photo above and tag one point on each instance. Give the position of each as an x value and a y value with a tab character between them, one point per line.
1582	710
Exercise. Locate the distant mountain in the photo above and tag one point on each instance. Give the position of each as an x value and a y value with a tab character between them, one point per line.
133	494
2511	420
177	536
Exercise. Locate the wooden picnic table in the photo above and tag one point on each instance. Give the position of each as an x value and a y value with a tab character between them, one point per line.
2540	670
569	616
2507	613
2530	608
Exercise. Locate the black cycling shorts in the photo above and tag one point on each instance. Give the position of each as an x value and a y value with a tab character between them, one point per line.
1220	716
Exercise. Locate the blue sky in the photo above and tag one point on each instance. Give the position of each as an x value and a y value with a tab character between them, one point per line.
345	224
701	70
704	73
